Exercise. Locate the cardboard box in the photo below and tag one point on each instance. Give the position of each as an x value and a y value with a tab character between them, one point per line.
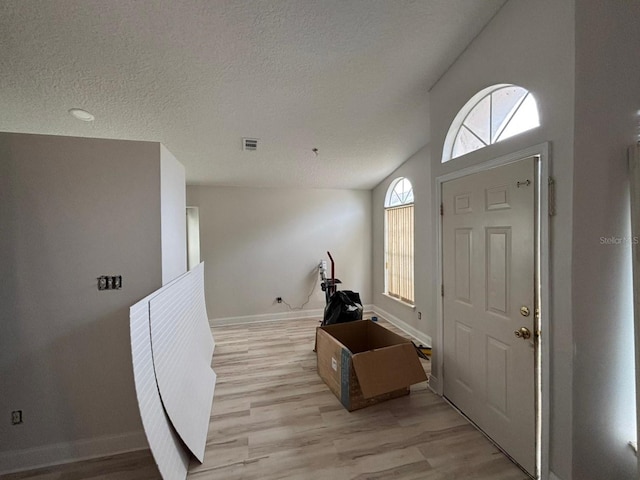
363	363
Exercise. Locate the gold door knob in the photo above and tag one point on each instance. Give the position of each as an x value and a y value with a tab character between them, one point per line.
524	311
524	333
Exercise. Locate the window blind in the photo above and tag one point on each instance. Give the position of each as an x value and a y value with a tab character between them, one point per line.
400	252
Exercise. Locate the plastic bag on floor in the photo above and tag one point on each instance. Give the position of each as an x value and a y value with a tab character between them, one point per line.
344	306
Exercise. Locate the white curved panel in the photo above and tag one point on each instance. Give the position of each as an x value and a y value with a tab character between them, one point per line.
182	347
168	452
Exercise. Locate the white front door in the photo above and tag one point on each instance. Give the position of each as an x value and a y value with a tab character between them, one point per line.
488	251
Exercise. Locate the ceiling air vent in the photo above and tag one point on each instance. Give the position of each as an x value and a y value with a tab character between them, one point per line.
249	144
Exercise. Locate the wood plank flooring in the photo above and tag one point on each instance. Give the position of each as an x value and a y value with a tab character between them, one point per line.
274	418
127	466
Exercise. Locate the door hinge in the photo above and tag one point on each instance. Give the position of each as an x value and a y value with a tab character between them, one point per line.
441	209
552	197
442	290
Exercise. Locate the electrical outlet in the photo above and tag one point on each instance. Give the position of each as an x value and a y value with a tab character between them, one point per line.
16	417
110	282
279	299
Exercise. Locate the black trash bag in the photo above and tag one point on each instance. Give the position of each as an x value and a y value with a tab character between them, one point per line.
344	306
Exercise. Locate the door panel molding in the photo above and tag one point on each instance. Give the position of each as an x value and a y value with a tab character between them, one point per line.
498	255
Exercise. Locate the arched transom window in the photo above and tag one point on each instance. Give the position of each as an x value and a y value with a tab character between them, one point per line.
492	115
400	193
399	230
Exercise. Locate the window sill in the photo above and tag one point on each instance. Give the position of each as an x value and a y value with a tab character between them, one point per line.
401	302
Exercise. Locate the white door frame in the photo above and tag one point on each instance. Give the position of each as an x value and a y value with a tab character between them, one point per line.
542	268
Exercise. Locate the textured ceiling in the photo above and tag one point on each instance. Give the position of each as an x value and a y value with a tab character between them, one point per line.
349	77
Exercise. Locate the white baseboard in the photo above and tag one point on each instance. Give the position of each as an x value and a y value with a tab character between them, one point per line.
67	452
434	384
274	317
405	327
368	310
268	317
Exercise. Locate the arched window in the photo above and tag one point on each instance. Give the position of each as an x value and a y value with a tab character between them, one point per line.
398	206
492	115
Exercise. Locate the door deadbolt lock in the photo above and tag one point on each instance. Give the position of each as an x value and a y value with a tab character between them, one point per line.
523	333
524	311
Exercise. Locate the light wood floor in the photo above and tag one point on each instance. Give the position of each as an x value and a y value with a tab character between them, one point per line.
273	418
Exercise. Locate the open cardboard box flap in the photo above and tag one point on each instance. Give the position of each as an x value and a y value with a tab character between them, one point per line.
386	369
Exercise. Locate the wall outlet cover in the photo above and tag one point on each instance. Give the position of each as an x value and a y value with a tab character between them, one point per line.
16	417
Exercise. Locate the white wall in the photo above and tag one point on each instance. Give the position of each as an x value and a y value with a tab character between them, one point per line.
530	44
260	243
418	170
173	211
607	119
72	209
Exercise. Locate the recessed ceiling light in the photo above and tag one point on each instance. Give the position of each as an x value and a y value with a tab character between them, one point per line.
82	115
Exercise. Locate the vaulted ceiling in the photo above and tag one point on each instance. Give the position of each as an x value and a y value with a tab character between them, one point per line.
348	77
